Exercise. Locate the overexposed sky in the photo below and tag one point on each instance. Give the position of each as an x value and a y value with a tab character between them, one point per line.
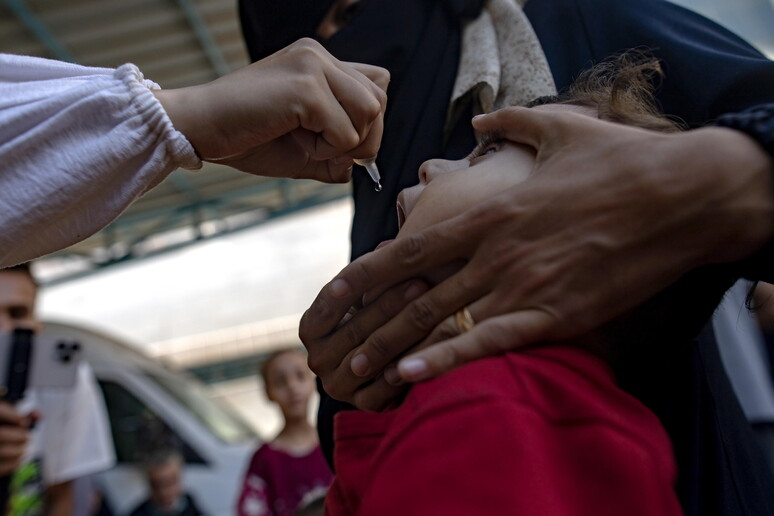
262	273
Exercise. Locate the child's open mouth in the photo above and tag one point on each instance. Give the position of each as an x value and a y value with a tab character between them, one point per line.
407	198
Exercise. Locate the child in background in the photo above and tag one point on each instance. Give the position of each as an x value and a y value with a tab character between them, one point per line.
288	469
164	472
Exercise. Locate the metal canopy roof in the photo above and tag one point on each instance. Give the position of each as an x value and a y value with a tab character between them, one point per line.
175	43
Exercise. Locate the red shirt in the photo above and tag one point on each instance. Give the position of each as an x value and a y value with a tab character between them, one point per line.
543	432
276	482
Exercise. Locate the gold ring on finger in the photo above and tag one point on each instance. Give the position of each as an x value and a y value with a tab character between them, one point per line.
464	320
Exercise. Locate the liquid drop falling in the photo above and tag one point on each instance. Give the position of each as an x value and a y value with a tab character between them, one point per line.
378	187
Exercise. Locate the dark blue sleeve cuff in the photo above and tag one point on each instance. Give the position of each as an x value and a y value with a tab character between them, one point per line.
757	122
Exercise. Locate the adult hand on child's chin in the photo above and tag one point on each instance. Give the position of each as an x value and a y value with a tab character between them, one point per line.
611	215
331	347
298	113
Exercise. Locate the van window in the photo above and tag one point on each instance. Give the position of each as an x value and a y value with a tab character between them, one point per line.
136	429
221	422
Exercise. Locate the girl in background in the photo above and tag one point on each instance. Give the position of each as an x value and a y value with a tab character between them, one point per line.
289	470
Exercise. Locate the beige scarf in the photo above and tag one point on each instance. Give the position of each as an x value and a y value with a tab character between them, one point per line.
501	62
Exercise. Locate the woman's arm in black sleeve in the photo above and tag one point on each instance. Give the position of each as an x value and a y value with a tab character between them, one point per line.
709	70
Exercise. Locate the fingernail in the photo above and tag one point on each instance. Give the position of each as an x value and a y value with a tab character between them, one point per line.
413	369
359	365
392	376
339	288
477	117
413	292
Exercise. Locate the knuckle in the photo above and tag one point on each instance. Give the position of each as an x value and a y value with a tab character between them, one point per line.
473	277
380	76
306	61
387	305
450	358
503	253
381	95
359	273
305	329
349	139
410	250
499	262
378	346
309	83
371	109
540	280
335	389
315	362
392	302
309	51
502	209
308	43
309	106
491	341
422	315
351	334
320	310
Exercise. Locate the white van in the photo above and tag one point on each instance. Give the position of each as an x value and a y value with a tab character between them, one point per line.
140	394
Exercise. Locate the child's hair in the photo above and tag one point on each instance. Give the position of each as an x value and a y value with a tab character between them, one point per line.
160	457
621	89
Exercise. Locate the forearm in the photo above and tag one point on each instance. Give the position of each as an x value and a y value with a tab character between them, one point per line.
739	201
78	145
59	500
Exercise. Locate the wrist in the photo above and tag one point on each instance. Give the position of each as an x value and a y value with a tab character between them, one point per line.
185	114
741	204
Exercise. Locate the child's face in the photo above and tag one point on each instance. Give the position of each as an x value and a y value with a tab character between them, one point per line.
290	383
448	188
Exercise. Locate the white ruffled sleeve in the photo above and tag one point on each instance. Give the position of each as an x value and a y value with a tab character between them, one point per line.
77	146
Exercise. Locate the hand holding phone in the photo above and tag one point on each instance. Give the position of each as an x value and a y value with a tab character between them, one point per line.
30	361
14	434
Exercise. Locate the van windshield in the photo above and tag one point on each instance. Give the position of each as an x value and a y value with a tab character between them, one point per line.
226	425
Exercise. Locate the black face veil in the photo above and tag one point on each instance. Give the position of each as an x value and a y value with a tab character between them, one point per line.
271	25
418	41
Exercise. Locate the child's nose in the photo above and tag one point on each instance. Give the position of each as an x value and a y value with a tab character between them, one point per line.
431	168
